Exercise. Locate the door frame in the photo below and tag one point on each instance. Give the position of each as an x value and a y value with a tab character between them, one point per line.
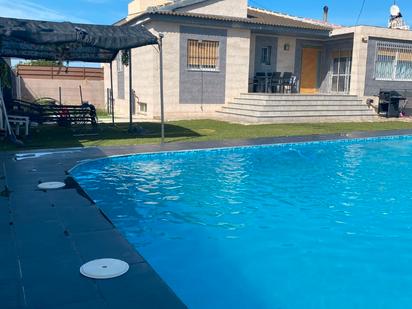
319	48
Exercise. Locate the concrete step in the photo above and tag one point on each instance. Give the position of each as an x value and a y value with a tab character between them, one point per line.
297	101
293	97
288	107
292	108
233	117
297	113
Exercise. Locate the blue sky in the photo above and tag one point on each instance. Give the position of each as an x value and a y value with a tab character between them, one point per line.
343	12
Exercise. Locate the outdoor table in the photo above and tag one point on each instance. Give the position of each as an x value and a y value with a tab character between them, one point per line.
263	80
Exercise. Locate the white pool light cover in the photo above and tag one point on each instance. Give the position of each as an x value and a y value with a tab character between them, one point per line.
104	269
51	185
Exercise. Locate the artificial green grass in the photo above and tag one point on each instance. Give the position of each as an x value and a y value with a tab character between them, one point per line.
182	131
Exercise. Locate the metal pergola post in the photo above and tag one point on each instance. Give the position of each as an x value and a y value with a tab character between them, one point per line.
162	112
111	92
130	92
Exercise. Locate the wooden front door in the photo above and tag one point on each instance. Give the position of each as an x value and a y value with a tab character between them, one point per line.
310	69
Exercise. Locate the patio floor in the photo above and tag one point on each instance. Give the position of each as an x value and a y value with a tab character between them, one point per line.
46	236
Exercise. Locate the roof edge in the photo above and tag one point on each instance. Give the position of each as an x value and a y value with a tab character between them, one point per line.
238	22
177	5
312	21
170	9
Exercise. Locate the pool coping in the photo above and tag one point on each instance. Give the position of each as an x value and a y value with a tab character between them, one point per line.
227	143
20	177
290	141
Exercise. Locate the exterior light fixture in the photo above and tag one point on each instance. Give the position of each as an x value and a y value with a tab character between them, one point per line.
286	46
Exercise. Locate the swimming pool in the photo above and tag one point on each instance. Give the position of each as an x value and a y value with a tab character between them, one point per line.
311	225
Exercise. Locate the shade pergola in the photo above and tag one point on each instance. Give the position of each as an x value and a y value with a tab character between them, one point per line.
65	41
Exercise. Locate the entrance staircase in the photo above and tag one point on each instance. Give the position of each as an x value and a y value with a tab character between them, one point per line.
295	108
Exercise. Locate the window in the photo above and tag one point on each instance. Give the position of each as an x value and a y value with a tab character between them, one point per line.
266	55
120	77
203	55
341	71
143	107
393	61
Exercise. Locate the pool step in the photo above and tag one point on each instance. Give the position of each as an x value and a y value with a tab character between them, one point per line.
295	108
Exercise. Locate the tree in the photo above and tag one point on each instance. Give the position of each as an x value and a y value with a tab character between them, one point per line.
5	74
46	63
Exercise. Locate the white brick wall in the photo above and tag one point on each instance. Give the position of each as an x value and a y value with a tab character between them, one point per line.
233	8
237	64
286	58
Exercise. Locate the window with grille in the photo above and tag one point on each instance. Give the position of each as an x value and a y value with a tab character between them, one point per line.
203	55
393	61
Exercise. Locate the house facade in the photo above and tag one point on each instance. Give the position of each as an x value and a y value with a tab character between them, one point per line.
214	51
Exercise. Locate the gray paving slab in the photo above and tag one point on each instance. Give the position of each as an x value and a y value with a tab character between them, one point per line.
59	291
20	198
46	268
2	181
6	233
93	304
29	214
153	292
9	261
21	204
30	182
32	208
11	294
4	201
103	244
67	198
38	239
4	211
85	219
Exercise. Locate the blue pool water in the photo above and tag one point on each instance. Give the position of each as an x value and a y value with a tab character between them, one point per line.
314	225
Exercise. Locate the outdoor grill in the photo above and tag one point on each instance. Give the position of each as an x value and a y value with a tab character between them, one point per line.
389	103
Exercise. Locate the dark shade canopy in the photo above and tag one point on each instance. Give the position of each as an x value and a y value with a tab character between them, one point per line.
65	41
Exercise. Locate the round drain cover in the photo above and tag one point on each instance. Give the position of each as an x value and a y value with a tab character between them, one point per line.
104	269
51	185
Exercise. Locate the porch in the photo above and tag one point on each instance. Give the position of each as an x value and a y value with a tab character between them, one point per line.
291	65
294	80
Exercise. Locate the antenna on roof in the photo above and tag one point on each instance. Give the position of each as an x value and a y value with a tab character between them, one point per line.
325	13
396	20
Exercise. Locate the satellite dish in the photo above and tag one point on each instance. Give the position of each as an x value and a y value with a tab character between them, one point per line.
395	11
